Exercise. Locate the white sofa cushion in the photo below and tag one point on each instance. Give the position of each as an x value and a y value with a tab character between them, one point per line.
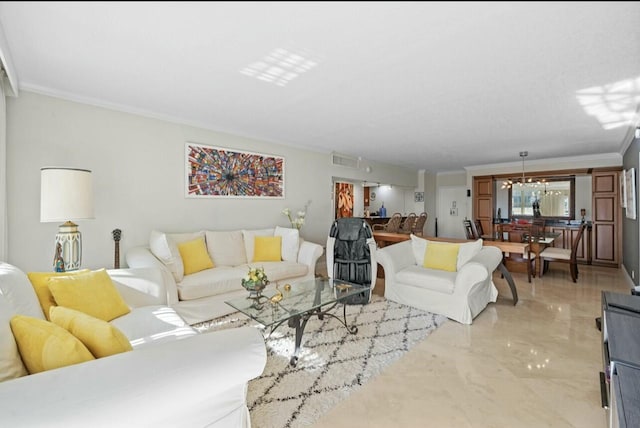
290	242
249	237
466	252
431	279
150	325
226	248
11	365
16	288
277	271
211	282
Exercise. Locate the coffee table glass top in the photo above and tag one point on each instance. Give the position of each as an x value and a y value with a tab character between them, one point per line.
303	297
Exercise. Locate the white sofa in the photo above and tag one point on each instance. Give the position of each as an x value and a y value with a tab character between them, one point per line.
459	295
173	377
201	296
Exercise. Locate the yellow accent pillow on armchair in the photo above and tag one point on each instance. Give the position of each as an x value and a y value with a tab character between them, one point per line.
441	256
92	293
100	337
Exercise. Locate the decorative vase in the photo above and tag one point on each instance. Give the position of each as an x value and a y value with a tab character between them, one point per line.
254	288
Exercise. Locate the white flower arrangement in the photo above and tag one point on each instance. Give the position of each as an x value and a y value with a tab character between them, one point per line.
298	221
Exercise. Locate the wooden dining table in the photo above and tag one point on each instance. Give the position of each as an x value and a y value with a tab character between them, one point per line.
388	238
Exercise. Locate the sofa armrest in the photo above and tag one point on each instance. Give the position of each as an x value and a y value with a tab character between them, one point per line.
395	257
468	276
141	286
142	257
308	254
191	382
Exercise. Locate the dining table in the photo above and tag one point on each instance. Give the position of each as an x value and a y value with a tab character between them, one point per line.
388	238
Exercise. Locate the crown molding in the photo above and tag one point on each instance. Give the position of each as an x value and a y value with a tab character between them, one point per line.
605	158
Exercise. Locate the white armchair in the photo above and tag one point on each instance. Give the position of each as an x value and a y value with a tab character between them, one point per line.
459	295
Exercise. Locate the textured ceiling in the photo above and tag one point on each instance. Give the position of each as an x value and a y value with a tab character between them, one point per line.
429	85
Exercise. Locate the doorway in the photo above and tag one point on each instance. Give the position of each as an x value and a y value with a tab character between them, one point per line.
452	210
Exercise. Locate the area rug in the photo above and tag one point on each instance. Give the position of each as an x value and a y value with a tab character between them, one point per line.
332	362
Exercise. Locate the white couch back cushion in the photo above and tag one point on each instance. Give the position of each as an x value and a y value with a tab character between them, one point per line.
290	243
226	248
16	297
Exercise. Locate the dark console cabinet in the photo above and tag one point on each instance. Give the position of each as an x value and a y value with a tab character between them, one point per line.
621	358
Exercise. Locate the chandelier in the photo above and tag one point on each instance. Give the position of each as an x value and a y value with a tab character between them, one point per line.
510	183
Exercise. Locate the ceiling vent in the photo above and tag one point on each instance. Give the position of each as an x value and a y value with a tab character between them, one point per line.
345	161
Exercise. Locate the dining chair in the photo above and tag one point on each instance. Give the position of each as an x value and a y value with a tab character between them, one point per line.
393	225
520	233
564	255
407	224
478	224
418	227
469	230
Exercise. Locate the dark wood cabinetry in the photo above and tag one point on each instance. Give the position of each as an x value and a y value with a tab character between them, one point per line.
603	246
483	201
606	218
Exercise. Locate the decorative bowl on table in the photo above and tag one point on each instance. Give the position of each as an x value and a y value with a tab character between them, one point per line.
255	281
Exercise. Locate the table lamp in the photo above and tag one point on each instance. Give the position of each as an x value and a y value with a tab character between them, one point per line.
66	194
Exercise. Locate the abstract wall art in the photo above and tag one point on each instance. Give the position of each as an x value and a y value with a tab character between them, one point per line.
344	200
229	173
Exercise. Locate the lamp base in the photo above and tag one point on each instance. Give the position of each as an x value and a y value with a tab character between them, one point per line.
70	240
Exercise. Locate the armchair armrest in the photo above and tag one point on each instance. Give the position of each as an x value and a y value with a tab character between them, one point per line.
142	257
489	257
171	384
396	257
308	254
468	276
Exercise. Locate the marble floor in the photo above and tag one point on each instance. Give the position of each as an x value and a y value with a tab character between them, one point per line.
535	364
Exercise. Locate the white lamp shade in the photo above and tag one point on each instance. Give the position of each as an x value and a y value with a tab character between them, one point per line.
65	194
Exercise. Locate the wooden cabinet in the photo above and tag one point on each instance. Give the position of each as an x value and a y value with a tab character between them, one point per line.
483	201
607	223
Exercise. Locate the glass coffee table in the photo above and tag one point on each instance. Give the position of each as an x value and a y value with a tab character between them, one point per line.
298	303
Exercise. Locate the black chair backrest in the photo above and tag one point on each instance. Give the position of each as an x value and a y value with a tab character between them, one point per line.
351	254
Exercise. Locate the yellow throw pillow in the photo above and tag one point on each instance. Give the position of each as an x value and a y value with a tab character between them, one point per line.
46	346
92	293
40	283
195	257
267	249
441	256
100	337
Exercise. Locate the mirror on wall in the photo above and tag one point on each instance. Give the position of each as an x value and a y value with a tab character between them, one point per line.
551	198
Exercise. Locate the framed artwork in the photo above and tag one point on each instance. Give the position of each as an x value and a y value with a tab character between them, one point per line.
344	200
418	196
623	194
228	173
630	191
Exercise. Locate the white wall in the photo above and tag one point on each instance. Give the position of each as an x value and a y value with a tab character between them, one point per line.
138	173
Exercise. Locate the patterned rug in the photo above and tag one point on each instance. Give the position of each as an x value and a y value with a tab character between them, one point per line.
332	363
